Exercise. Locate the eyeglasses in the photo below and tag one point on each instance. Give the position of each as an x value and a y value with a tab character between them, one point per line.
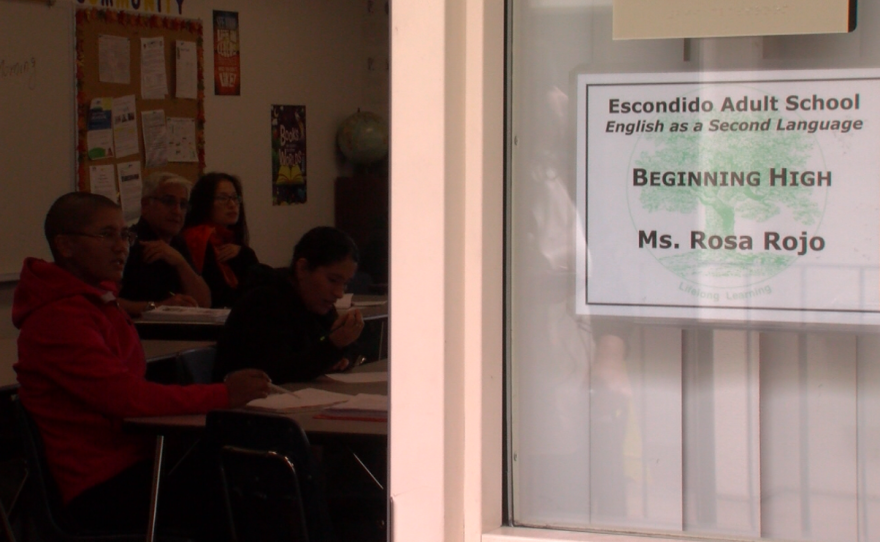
109	236
171	202
226	198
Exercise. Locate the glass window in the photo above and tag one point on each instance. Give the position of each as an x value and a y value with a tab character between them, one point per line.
692	425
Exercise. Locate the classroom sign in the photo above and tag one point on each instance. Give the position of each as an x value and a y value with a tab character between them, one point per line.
730	196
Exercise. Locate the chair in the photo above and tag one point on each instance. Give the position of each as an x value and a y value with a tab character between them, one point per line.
6	534
273	488
196	365
43	500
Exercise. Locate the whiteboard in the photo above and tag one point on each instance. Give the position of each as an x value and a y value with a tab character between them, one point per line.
37	120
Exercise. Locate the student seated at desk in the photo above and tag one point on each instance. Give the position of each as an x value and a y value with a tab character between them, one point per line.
217	236
159	269
81	369
286	322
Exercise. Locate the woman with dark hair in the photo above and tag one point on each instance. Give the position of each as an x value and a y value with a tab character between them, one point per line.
286	322
217	236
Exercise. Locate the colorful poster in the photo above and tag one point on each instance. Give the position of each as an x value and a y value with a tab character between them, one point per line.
288	154
99	138
730	196
227	62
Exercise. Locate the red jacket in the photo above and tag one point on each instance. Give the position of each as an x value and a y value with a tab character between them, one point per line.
81	368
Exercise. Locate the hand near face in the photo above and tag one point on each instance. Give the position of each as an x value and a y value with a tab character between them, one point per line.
154	251
245	386
227	252
348	328
340	366
180	300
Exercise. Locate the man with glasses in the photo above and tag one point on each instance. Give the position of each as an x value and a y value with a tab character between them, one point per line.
159	269
81	368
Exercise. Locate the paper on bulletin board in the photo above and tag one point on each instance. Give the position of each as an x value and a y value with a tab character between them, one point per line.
186	69
130	186
155	138
738	196
125	134
99	136
182	140
154	81
103	181
114	59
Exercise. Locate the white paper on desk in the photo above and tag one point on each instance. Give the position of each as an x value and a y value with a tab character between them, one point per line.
165	313
293	400
360	378
362	402
357	304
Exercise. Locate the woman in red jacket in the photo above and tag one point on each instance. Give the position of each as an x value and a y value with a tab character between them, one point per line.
217	236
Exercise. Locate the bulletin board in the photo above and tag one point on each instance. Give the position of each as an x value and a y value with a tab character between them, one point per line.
94	25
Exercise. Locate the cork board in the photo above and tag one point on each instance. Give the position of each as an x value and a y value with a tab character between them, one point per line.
94	25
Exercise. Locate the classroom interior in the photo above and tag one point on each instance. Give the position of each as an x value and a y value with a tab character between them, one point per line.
448	118
332	57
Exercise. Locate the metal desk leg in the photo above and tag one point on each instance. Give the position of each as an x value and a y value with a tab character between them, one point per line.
154	494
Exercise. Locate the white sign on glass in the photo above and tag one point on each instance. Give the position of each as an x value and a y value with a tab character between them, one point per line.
730	196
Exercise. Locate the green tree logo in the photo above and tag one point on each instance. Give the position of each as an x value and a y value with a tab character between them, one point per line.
717	210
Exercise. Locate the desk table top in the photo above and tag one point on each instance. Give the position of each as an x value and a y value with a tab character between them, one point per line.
319	430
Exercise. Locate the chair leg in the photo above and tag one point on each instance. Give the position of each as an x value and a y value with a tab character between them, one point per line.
6	534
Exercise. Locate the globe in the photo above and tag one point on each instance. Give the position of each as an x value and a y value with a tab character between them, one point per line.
363	138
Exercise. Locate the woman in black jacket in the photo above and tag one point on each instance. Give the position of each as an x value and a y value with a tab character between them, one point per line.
286	321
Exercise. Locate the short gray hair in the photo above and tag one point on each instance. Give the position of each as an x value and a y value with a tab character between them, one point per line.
158	178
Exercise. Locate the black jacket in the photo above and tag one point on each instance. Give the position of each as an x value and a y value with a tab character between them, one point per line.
151	281
269	328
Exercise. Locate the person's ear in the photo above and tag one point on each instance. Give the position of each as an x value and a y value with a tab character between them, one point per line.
64	245
302	267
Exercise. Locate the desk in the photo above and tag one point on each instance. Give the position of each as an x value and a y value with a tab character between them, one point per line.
376	309
318	430
178	331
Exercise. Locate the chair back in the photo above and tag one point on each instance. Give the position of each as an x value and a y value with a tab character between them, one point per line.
43	499
274	489
263	496
196	365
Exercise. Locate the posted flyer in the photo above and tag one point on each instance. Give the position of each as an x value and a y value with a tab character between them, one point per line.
730	196
227	62
289	154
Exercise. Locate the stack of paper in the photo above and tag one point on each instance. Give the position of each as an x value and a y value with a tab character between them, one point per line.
165	313
363	406
309	397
